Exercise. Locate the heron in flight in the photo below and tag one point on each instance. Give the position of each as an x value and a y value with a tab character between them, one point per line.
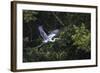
49	37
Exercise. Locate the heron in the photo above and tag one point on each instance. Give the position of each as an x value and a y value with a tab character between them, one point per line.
49	37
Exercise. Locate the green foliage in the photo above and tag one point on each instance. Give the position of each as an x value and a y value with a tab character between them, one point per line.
81	37
74	42
46	53
29	16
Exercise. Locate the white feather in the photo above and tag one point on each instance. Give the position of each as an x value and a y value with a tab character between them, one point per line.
48	38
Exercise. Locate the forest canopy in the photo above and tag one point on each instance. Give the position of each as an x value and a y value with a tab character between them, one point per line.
74	33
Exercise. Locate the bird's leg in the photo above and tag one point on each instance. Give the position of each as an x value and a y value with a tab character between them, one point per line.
39	46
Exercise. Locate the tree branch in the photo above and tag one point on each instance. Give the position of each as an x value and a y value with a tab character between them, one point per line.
59	20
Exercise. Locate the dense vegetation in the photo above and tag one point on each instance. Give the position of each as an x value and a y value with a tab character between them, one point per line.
74	34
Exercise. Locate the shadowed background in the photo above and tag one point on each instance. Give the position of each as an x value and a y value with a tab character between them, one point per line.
74	34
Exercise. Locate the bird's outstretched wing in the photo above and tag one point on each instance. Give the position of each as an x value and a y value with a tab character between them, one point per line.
53	33
42	33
